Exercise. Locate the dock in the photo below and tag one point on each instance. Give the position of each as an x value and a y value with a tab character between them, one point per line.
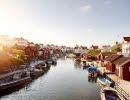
103	70
122	86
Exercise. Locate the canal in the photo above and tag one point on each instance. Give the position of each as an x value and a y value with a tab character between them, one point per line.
66	80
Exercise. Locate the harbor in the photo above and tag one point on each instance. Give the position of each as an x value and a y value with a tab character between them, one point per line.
64	49
66	80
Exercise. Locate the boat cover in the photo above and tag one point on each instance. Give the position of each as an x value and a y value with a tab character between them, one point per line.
92	69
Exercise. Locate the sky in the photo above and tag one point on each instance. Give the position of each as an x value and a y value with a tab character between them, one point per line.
66	22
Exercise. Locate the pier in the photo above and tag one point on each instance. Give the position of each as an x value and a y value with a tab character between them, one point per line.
122	86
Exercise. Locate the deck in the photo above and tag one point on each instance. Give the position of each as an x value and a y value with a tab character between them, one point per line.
122	86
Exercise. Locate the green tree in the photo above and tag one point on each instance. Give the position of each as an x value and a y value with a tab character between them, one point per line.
117	49
37	45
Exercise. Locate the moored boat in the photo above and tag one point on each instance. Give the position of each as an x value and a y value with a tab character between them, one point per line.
54	60
14	79
109	93
92	71
104	81
49	61
83	64
34	73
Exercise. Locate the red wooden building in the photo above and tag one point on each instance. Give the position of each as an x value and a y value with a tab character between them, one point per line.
31	51
44	53
123	68
87	57
57	51
109	62
102	56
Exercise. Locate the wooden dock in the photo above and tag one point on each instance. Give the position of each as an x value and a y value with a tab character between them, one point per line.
122	86
103	71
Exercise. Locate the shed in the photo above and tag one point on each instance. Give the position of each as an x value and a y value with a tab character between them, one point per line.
123	67
109	62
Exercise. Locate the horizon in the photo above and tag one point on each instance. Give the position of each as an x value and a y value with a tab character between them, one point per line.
63	22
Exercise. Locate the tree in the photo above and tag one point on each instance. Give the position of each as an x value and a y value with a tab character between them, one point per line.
37	45
117	49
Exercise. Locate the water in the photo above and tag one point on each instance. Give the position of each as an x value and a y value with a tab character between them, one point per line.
64	81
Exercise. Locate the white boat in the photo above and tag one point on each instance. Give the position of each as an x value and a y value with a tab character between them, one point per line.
109	93
54	60
104	81
49	61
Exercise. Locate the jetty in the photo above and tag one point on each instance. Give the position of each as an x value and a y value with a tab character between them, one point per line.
122	86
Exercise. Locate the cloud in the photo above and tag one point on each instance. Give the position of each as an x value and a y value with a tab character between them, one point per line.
85	8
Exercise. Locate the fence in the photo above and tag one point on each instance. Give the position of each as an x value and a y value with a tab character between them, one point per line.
122	93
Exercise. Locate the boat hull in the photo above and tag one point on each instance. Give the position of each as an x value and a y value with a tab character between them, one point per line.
36	74
15	83
109	93
104	82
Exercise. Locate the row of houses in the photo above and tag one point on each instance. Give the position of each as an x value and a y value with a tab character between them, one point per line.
118	63
32	49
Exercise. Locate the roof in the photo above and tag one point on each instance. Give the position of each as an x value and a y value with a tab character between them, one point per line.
121	60
107	54
126	38
33	48
95	47
84	47
111	58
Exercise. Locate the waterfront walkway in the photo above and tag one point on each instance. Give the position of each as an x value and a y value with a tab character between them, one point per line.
121	85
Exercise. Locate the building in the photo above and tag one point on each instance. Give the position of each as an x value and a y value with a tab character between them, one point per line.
6	40
126	47
31	50
20	42
105	48
94	47
123	68
102	56
109	62
80	50
86	57
115	46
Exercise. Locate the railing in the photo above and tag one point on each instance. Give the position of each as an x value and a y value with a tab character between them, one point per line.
122	93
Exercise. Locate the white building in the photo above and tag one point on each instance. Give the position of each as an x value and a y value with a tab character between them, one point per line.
20	41
105	47
6	40
126	47
80	49
93	47
115	46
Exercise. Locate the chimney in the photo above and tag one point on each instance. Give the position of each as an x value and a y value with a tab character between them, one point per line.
116	42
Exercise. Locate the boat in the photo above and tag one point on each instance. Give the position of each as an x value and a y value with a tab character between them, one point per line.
54	60
34	72
109	93
83	64
104	81
13	79
92	71
49	61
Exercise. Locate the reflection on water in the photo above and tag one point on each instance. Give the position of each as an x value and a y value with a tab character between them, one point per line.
92	79
66	81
